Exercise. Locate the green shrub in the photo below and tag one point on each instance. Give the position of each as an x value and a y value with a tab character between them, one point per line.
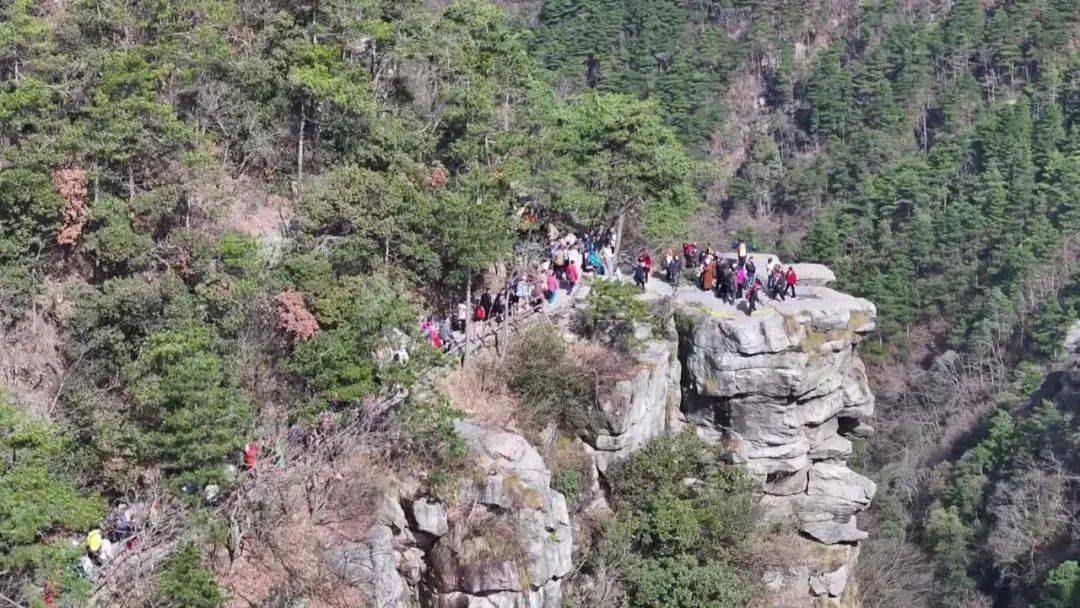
682	518
185	582
950	542
1062	588
111	240
239	253
568	481
613	311
552	387
192	419
109	324
333	368
428	440
37	502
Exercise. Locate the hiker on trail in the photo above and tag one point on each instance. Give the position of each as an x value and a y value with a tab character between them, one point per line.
446	331
609	260
594	261
486	302
558	261
480	313
552	287
708	275
524	292
251	456
462	315
573	256
751	270
572	276
689	251
538	286
99	548
741	250
752	297
769	275
119	523
646	260
740	281
777	284
498	307
790	281
640	275
723	281
671	267
431	332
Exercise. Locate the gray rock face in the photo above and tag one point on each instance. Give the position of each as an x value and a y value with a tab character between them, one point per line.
513	547
814	274
506	545
430	516
773	388
373	564
639	408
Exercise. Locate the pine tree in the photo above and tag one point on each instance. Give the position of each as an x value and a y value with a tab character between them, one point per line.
830	94
1052	321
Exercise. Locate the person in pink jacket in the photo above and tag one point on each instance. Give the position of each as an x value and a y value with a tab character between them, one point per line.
572	276
740	281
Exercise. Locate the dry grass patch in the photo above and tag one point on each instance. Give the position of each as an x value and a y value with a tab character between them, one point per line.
479	389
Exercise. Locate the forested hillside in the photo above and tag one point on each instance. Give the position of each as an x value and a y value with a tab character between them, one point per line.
928	152
153	324
213	213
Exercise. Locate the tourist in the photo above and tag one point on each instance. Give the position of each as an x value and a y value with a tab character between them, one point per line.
640	275
752	298
708	275
690	254
572	276
609	260
645	259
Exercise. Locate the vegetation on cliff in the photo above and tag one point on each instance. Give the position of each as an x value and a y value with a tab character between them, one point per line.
214	212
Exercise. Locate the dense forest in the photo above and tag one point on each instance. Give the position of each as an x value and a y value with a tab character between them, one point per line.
927	151
154	323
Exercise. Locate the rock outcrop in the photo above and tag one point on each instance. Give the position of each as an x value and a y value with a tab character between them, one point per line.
638	408
505	542
780	390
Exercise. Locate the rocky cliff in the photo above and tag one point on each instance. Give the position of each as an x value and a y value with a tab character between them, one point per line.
781	390
505	543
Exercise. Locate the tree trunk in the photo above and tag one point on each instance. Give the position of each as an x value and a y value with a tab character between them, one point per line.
466	348
300	148
504	333
618	238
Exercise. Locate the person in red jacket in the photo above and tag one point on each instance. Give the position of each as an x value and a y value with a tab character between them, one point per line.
791	280
645	259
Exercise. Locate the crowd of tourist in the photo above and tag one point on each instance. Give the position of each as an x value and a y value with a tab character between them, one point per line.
569	258
730	279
